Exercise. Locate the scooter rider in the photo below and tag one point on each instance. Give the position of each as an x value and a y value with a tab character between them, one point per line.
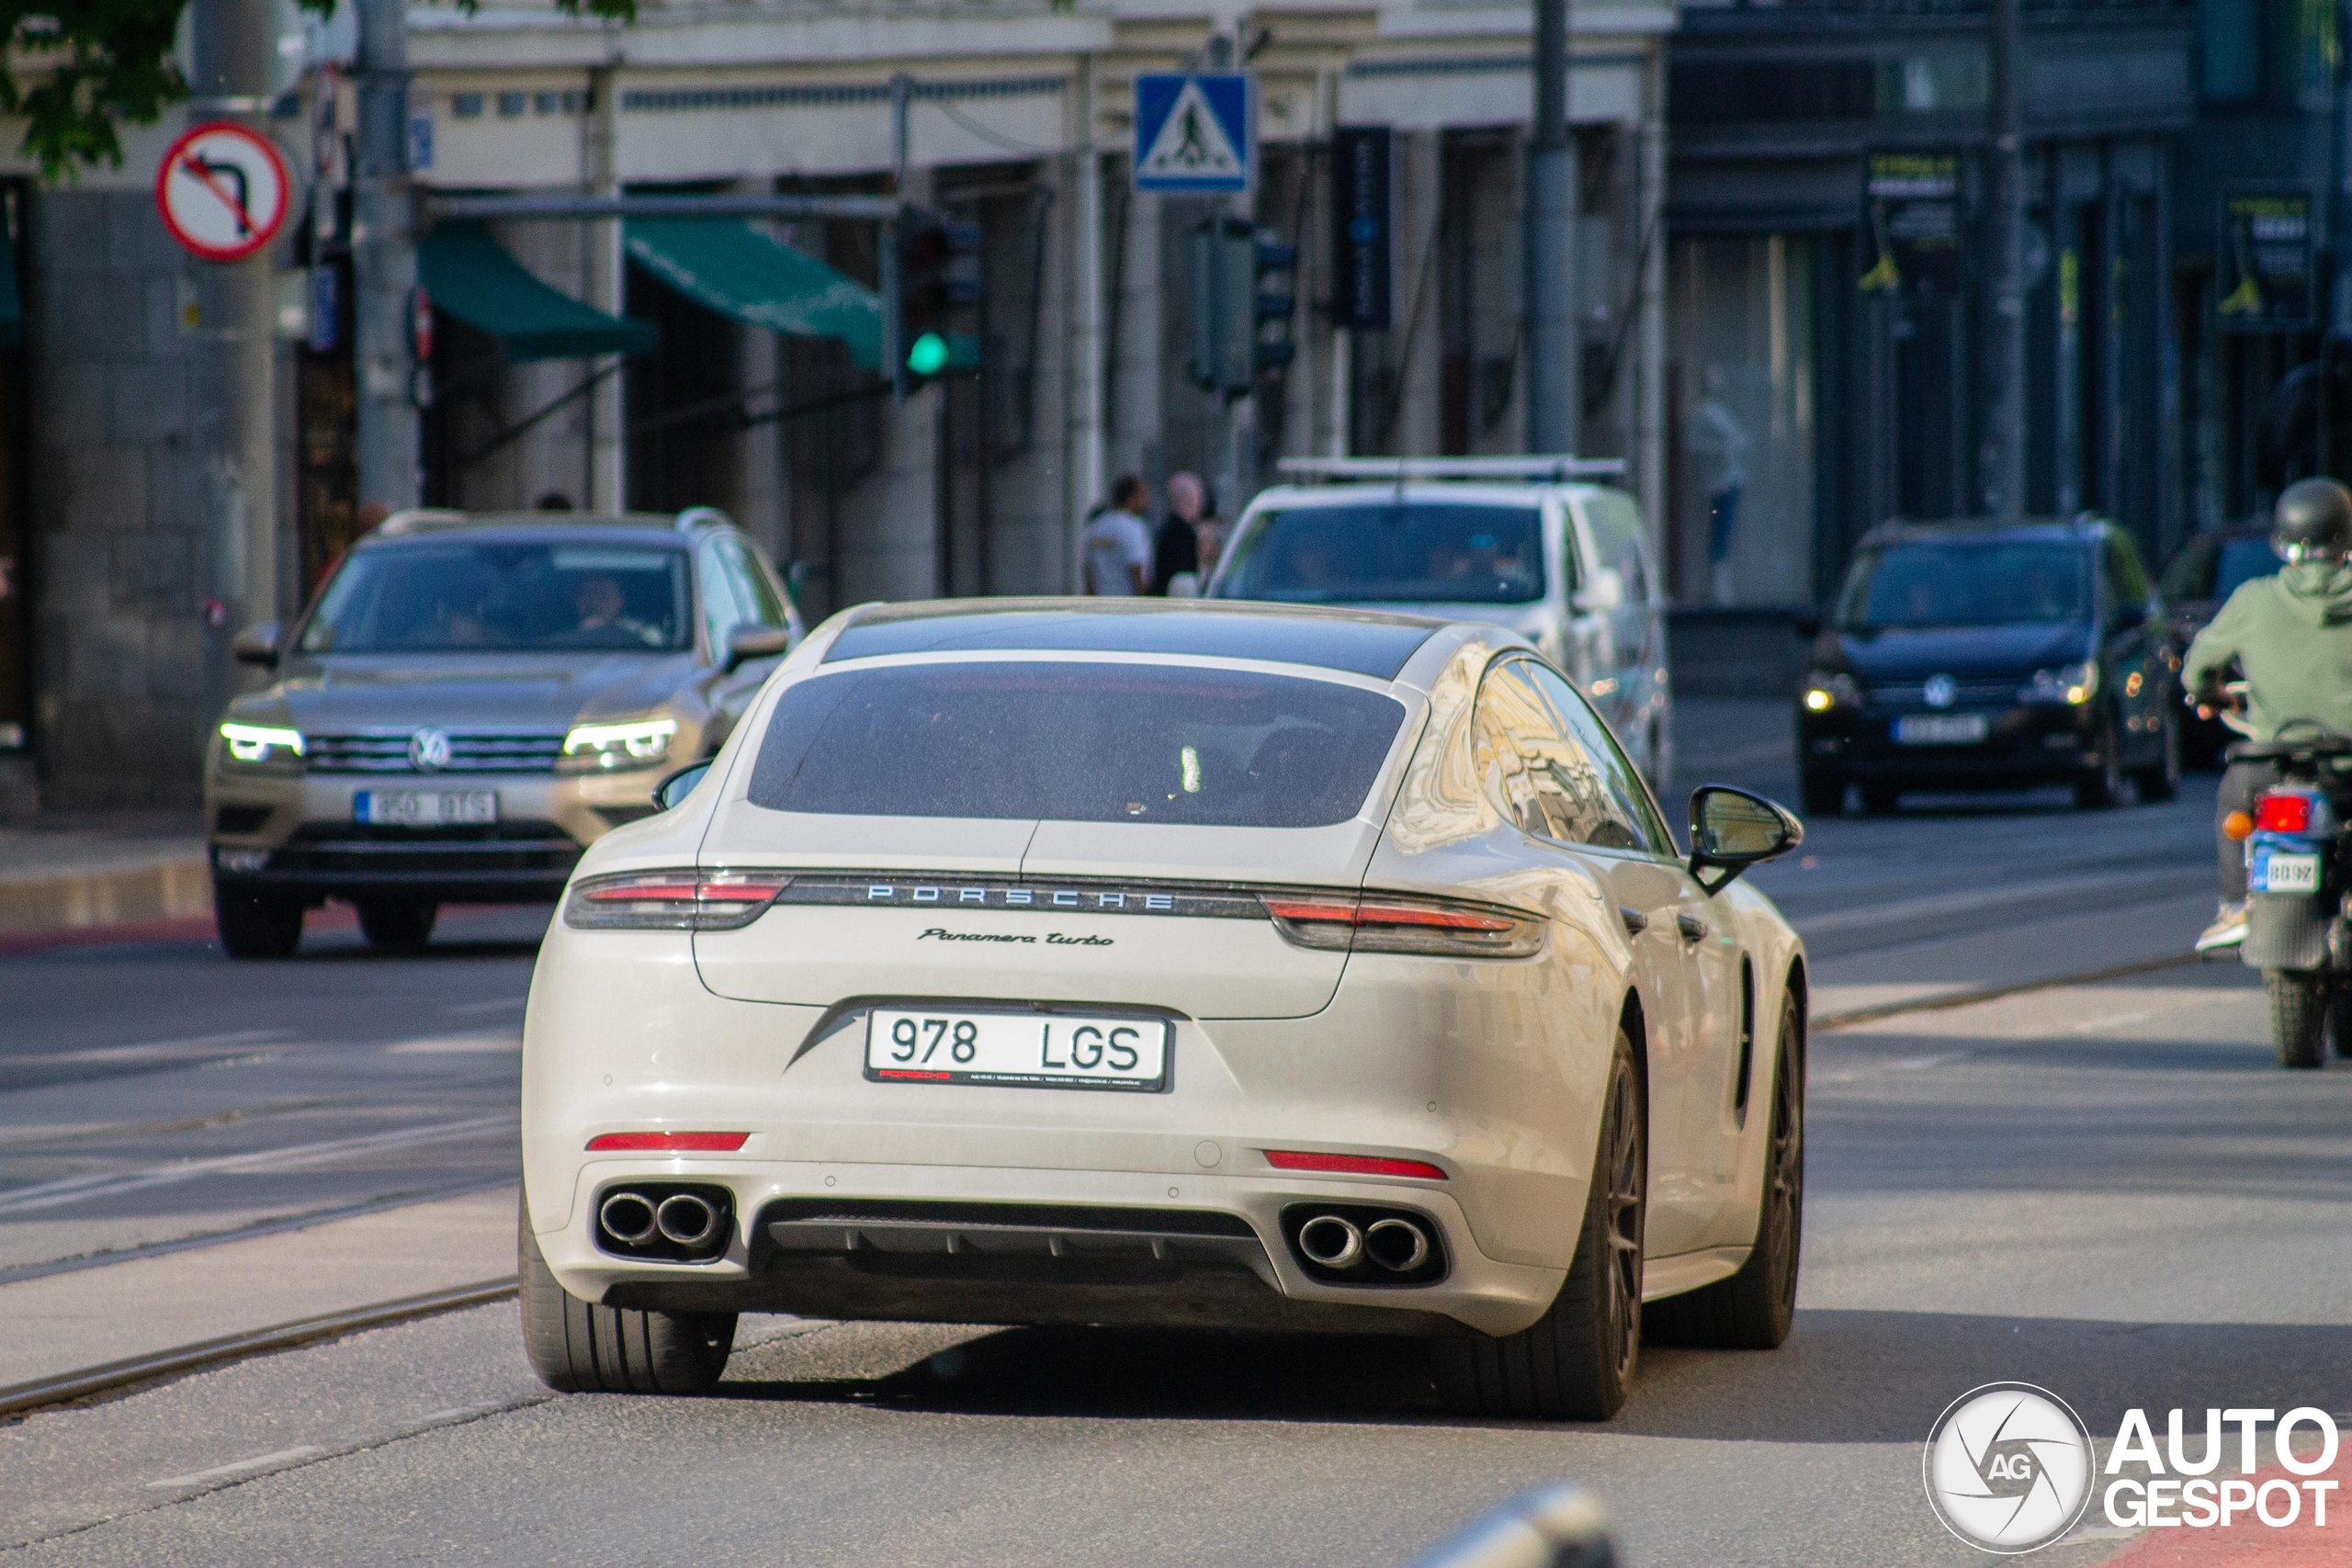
2291	635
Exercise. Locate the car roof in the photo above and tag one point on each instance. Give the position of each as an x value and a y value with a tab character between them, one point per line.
531	527
1355	492
2055	530
1360	642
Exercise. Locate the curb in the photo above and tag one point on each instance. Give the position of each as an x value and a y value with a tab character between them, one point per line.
134	896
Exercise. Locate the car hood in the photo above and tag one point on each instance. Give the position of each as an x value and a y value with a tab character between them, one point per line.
465	691
1958	651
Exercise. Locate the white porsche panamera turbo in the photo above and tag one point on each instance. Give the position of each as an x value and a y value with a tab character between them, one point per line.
1177	963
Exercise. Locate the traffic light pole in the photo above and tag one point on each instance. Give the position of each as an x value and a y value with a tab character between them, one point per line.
383	261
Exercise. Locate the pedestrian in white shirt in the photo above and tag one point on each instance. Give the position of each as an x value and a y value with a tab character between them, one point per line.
1118	543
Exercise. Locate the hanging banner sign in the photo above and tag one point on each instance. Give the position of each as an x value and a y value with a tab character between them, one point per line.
2264	263
1361	239
1911	227
223	191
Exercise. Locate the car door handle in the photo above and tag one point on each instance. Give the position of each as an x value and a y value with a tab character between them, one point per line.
1692	928
1636	922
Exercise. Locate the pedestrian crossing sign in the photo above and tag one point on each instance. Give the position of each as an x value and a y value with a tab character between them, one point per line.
1193	133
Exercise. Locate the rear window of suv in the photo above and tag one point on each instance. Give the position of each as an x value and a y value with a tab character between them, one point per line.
1076	741
1409	552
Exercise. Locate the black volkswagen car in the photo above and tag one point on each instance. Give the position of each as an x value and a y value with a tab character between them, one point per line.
1974	656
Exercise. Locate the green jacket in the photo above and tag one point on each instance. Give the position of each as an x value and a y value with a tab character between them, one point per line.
2291	633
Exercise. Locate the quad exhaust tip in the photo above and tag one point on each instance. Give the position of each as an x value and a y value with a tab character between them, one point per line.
683	1218
1331	1242
630	1219
1398	1245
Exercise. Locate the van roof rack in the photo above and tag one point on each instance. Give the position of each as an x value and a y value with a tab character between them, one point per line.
1554	466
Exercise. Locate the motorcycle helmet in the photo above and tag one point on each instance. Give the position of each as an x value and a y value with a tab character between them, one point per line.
2312	521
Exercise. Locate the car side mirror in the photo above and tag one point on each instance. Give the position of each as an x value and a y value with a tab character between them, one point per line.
746	643
1808	626
1732	830
256	645
671	792
1605	592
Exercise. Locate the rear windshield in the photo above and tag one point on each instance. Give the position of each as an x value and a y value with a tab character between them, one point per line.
1390	552
1076	742
460	596
1972	582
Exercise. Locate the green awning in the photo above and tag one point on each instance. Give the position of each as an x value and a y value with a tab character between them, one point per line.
725	264
470	275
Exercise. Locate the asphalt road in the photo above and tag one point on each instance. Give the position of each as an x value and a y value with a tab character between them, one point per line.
2107	1189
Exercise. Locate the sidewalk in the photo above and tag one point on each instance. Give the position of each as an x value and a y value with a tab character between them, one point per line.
87	872
64	1322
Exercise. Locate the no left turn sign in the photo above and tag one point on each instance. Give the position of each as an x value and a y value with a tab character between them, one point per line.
222	191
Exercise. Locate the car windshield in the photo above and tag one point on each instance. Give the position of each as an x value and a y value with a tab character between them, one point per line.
465	596
1965	582
1412	552
1077	741
2241	560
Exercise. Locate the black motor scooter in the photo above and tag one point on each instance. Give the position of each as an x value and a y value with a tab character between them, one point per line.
2299	883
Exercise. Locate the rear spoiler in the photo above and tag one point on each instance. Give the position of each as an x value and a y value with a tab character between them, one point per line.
1555	467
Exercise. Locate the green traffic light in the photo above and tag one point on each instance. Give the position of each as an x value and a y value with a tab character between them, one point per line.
929	354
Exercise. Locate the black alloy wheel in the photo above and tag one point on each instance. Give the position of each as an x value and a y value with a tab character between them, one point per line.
2299	1009
1576	1362
256	925
2160	780
576	1347
1755	1309
2099	790
397	925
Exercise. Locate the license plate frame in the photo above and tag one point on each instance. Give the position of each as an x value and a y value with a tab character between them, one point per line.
1005	1039
425	808
1942	730
2303	873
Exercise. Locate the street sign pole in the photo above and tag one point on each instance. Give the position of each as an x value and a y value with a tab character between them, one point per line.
222	178
1555	397
2005	435
384	263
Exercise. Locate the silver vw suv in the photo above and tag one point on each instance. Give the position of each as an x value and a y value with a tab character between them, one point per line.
469	702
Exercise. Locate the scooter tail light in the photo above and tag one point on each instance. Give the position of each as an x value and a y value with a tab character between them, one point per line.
2285	811
686	899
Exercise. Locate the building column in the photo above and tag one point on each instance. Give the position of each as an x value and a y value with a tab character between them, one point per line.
1132	421
607	276
1419	368
1649	474
1085	369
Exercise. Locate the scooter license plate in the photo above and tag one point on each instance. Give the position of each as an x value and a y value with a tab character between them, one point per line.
2286	874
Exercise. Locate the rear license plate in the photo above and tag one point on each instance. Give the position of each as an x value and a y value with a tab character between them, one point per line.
1023	1049
1941	730
425	808
2286	874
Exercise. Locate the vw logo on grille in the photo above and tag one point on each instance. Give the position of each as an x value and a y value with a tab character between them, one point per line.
1941	691
428	750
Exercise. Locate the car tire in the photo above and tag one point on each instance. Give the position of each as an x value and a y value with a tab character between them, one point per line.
2101	790
1755	1308
1881	799
397	925
2299	1009
256	925
1824	794
1576	1362
576	1347
2160	780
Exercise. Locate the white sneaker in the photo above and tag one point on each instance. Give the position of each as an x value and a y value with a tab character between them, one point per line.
2228	929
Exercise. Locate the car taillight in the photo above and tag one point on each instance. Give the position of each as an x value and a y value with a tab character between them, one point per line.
683	901
2284	811
1392	923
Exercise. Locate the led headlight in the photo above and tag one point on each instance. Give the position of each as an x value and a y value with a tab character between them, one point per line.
633	745
261	743
2071	683
1824	690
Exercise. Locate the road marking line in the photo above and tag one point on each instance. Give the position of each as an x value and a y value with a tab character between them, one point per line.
468	1009
259	1462
1848	1019
109	1184
1872	915
193	1045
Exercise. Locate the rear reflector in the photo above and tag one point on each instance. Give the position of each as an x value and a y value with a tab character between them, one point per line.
685	899
2284	811
697	1143
1353	1165
1392	923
